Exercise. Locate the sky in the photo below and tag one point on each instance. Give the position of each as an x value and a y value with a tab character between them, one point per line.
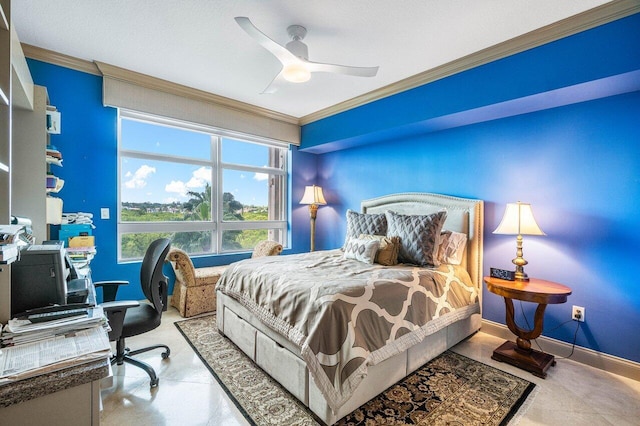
165	182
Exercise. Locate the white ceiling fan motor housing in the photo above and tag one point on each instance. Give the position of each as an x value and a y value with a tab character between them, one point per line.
296	46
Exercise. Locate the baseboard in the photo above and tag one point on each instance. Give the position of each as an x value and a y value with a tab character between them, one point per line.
606	362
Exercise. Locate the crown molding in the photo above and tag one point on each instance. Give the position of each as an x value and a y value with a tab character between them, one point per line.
586	20
45	55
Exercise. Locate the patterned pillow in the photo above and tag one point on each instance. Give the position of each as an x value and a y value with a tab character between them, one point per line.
419	236
361	223
451	248
362	250
388	251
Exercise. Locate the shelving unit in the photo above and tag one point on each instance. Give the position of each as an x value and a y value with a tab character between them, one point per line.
5	107
29	172
54	157
16	126
5	147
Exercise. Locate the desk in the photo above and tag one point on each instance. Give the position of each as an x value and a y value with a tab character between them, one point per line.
68	396
537	291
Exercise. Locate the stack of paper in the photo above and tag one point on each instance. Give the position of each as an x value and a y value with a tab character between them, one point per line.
18	332
28	347
22	361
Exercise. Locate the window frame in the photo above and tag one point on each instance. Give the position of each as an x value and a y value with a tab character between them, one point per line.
217	226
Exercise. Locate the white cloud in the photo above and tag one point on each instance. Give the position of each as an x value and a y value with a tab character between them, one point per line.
139	178
260	176
200	178
177	187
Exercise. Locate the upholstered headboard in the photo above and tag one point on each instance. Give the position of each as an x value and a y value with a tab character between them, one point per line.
464	215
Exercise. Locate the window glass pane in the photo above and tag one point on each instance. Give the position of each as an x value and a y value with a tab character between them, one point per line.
249	154
158	139
152	190
247	239
197	242
246	195
134	245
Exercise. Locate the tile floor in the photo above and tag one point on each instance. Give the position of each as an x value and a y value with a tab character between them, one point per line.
572	394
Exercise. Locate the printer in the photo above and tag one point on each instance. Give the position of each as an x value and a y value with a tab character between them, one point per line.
45	276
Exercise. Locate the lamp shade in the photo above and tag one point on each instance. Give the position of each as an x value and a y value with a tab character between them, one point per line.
518	220
313	195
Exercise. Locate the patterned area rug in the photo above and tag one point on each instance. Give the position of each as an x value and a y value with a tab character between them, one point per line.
449	390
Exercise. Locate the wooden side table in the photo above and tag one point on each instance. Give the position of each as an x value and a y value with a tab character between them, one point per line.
537	291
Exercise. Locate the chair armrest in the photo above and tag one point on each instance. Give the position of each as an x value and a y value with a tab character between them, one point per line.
110	283
115	312
119	305
109	289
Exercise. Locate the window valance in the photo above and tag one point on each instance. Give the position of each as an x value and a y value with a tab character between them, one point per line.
138	92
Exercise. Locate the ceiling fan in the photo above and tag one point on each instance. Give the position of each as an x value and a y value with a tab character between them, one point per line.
296	66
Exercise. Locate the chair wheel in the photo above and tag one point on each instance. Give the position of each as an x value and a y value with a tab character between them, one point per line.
165	355
154	383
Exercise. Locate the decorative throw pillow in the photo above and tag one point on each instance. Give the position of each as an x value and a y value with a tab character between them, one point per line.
419	236
388	251
451	248
362	250
361	223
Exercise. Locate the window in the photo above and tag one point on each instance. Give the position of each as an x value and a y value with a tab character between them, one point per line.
210	191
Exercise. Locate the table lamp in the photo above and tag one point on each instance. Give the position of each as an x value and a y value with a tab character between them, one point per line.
518	220
313	197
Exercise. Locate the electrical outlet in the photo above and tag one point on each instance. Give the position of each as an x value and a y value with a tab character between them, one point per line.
577	313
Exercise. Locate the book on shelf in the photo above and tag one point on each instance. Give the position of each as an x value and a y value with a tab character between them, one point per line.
54	153
54	160
54	183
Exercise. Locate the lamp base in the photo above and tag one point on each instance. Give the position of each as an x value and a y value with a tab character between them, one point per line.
521	276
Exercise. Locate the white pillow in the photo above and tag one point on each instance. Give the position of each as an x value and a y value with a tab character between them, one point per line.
452	245
360	249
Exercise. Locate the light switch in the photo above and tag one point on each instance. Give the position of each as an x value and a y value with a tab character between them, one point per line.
104	213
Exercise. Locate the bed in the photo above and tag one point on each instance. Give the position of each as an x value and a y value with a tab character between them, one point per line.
285	312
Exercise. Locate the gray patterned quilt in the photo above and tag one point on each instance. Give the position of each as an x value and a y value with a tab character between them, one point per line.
346	315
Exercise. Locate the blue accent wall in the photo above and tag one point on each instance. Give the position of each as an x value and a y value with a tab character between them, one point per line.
88	143
576	160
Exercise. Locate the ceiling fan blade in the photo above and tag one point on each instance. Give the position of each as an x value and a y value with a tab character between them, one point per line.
342	69
278	51
275	84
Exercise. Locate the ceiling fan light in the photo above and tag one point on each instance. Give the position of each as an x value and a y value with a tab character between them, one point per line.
296	73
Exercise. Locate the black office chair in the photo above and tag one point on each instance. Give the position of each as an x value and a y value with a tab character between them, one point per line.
130	318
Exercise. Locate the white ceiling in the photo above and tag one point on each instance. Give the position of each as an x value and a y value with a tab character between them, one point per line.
198	44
